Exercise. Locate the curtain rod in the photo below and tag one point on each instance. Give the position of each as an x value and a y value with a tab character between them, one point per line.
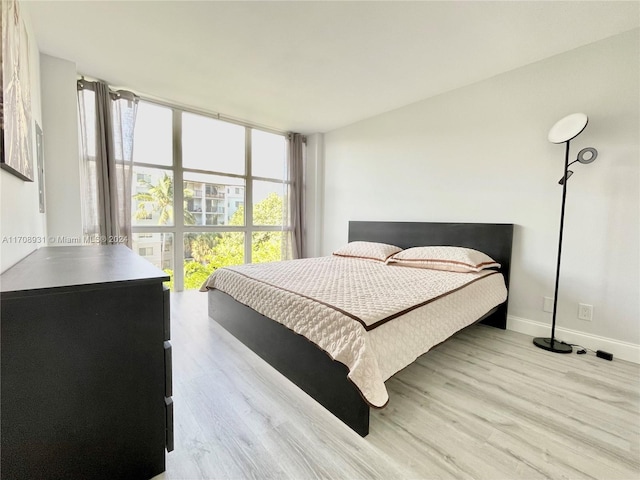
124	94
198	111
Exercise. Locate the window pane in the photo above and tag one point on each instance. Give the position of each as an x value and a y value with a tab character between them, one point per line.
268	203
267	154
210	144
205	252
213	200
266	247
153	137
152	202
157	248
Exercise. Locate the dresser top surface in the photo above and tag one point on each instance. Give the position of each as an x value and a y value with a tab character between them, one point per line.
78	266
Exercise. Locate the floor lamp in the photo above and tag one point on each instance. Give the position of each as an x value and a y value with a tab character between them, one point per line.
564	131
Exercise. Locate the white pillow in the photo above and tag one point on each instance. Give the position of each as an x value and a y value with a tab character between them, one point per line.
367	250
452	259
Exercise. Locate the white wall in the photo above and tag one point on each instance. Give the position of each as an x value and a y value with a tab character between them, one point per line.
22	226
314	185
480	154
61	151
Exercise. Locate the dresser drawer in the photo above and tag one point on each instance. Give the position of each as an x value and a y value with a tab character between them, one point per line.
166	312
168	405
168	370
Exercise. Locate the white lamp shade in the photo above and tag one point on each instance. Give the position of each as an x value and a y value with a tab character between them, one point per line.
568	127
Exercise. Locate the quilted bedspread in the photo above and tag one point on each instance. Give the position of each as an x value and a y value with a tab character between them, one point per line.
374	318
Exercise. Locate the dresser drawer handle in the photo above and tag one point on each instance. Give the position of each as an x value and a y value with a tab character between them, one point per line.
168	404
168	370
166	312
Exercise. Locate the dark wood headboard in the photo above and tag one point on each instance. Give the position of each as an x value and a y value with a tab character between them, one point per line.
494	239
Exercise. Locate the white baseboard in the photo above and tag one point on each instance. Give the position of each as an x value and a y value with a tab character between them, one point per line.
621	350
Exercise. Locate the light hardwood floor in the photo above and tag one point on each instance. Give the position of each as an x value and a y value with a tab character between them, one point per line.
486	404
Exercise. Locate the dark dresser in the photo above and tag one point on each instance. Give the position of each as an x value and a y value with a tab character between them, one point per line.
85	366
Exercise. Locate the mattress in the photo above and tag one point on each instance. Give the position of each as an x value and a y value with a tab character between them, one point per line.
374	318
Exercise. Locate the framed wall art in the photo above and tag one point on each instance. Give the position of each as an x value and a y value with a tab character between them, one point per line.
16	154
40	166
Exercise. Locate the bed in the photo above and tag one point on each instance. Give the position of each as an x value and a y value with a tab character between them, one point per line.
311	367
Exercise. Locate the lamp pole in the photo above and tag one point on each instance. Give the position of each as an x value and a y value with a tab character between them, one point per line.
555	294
552	344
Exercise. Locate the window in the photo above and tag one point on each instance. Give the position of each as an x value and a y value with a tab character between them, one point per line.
230	208
212	145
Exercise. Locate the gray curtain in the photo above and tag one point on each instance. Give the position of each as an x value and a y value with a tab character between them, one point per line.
293	243
107	120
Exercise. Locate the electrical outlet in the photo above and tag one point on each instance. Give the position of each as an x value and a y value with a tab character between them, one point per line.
547	305
585	312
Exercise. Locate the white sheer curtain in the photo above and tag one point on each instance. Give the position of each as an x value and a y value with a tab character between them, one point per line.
107	120
293	242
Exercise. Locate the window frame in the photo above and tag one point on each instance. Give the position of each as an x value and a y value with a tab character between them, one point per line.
179	229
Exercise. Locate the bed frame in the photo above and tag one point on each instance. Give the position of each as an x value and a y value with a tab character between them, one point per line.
312	369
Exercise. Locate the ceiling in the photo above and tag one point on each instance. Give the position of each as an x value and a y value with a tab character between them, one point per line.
313	66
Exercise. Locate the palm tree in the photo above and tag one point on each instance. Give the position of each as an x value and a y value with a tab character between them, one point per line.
159	198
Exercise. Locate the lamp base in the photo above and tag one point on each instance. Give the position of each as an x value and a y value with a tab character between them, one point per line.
552	345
